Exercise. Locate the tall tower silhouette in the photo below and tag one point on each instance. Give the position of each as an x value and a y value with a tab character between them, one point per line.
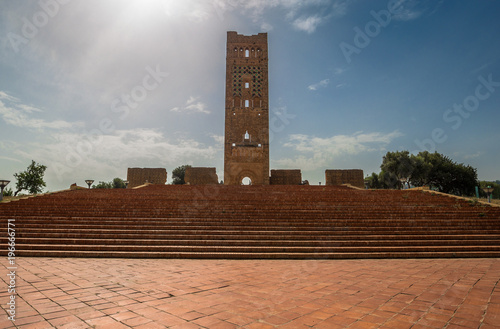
246	140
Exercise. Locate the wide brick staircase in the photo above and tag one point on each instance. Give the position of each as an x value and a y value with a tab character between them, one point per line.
245	222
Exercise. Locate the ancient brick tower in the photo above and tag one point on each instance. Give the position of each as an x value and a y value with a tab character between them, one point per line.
246	142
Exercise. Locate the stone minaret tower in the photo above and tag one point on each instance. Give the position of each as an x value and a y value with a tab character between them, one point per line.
246	140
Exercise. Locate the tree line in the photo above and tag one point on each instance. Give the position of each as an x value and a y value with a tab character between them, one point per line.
401	169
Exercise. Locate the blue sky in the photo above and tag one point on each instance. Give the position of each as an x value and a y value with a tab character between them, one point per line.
90	88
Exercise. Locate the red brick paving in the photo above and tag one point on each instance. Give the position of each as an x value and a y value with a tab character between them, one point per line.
170	293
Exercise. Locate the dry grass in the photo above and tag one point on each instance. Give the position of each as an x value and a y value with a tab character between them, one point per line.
15	198
494	201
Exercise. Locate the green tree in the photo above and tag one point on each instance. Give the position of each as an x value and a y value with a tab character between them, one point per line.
103	185
388	180
448	176
178	175
31	179
115	183
421	169
374	181
118	183
400	165
433	169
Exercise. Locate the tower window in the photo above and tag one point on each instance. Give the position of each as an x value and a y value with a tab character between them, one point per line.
247	85
247	135
247	103
247	53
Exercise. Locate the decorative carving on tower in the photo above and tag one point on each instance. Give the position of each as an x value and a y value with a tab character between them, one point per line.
246	140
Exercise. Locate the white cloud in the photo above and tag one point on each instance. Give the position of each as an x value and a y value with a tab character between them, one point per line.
16	114
266	27
307	24
467	156
339	8
407	15
219	139
28	108
408	10
339	71
69	155
10	159
192	105
321	84
8	97
292	8
317	152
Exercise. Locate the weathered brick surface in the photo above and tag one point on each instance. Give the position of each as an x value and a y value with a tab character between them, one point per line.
179	293
345	176
274	221
246	144
286	177
139	176
201	176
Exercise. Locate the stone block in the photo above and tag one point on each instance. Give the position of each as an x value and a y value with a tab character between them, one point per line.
201	176
140	176
345	176
286	177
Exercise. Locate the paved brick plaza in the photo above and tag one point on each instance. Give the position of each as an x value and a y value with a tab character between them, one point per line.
160	293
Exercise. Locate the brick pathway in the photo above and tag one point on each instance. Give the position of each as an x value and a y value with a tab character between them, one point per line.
128	293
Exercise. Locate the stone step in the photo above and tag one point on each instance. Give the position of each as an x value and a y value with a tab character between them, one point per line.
99	222
233	255
277	222
137	232
362	241
256	249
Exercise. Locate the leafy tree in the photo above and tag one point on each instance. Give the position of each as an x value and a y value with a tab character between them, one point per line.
433	169
496	191
389	180
400	164
447	176
374	181
103	185
178	175
31	179
115	183
118	183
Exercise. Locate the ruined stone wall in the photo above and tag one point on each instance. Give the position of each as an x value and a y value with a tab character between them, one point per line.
286	177
347	176
201	176
139	176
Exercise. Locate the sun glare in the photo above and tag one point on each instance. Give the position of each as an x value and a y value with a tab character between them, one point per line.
146	11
